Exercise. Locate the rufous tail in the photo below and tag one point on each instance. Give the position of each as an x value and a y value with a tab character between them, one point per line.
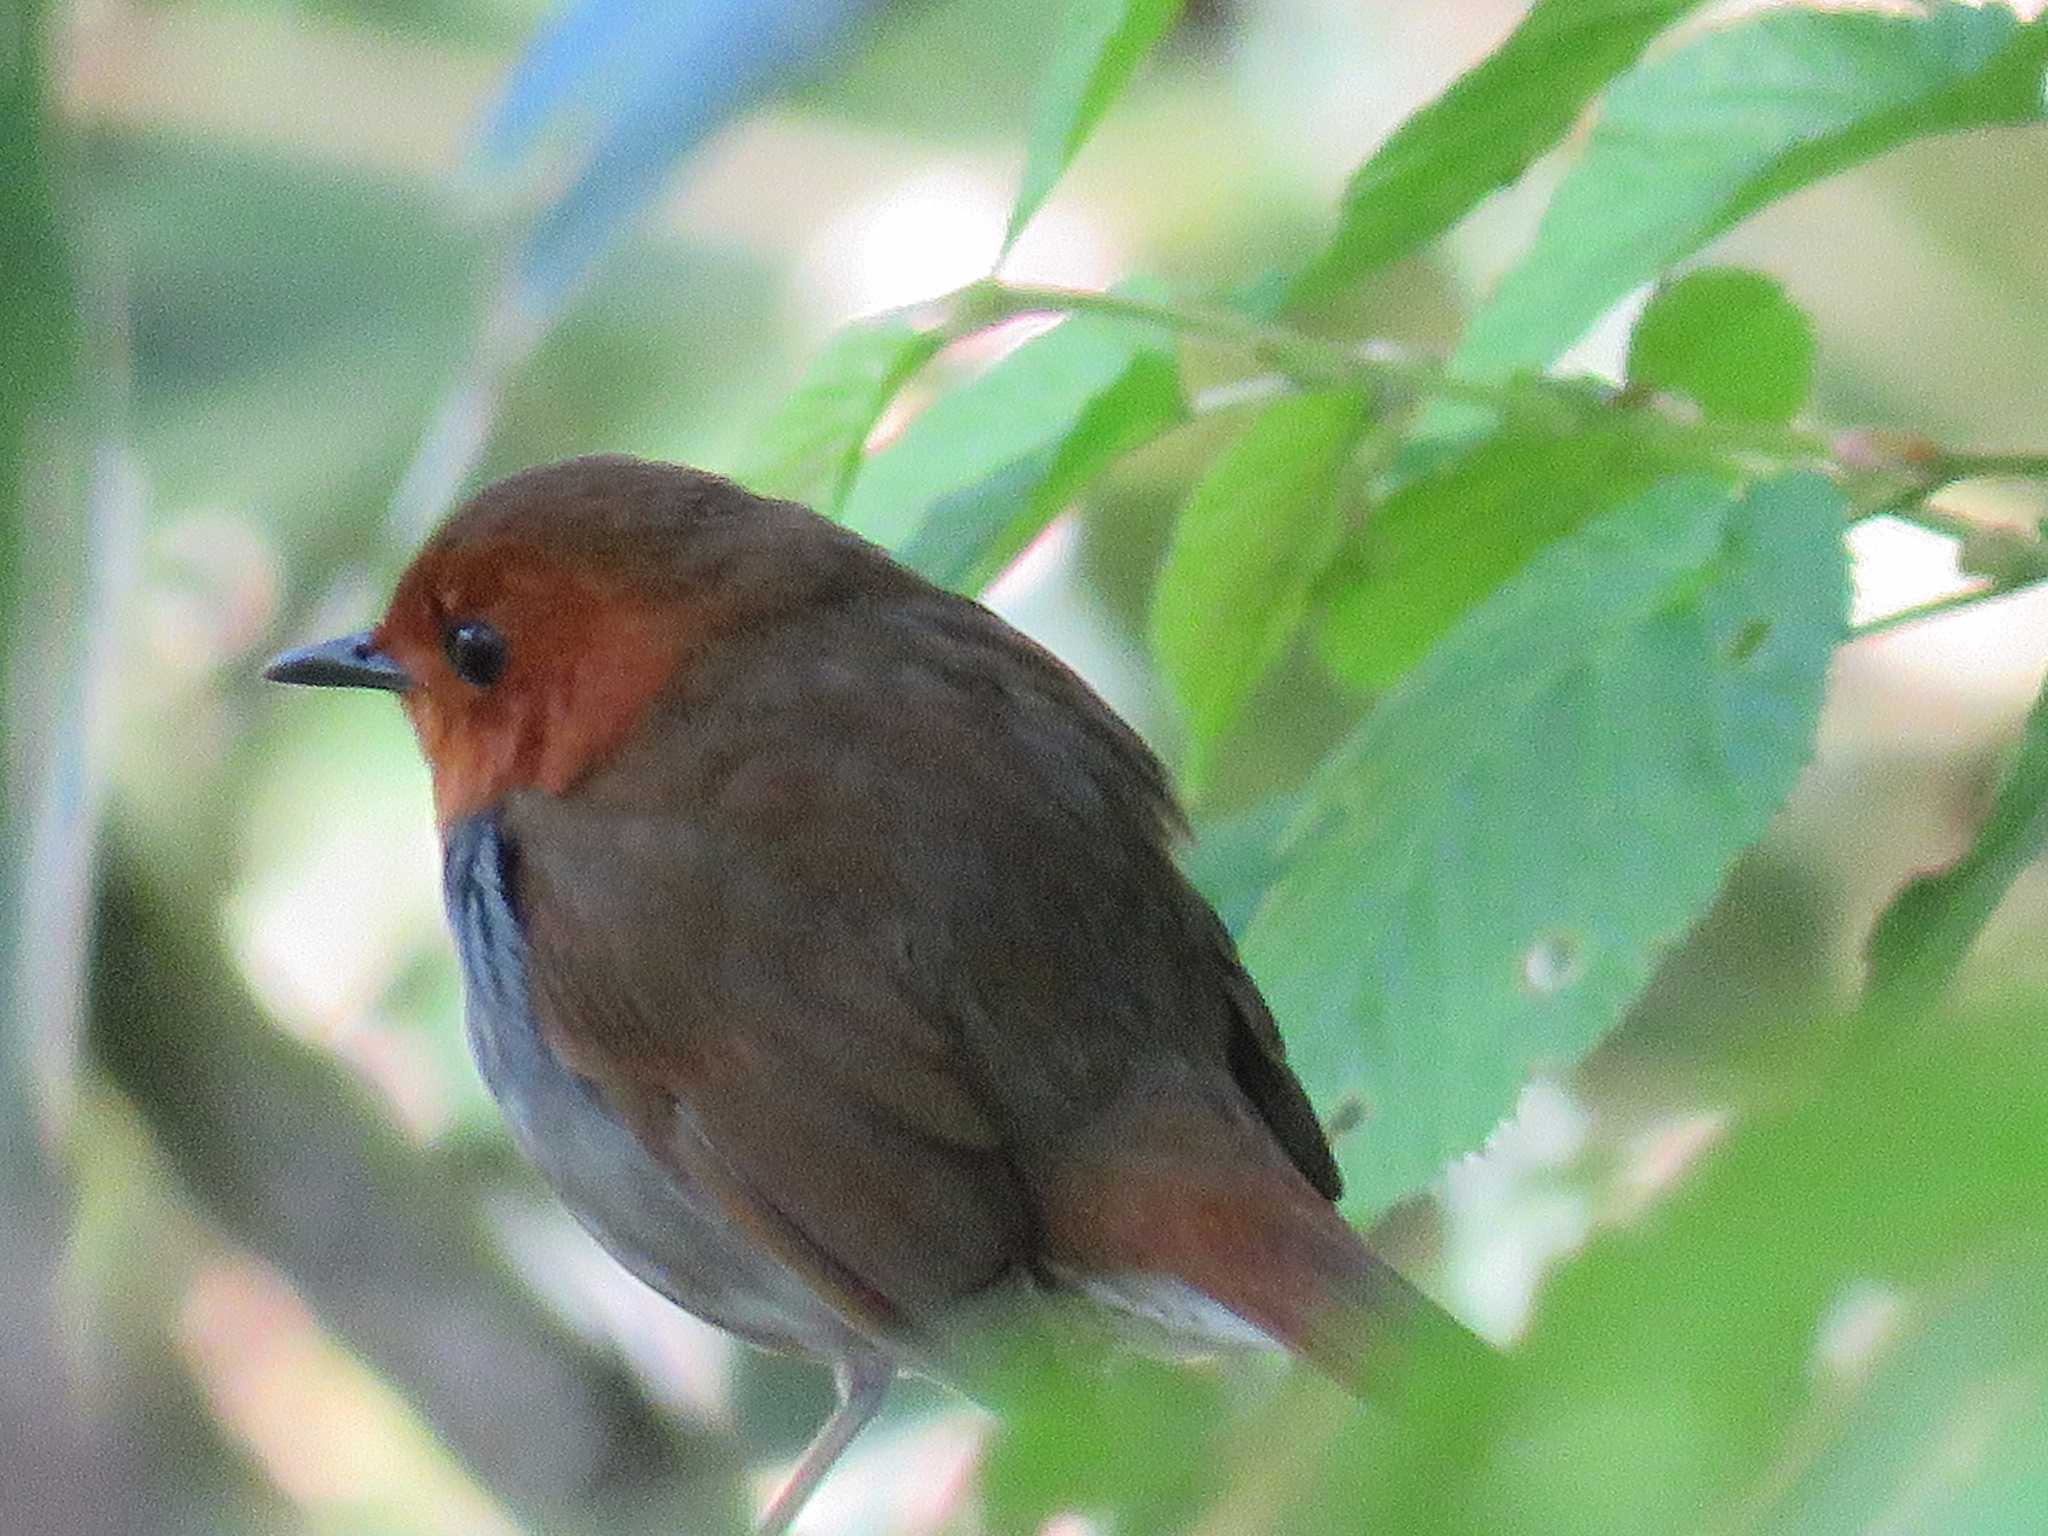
1262	1242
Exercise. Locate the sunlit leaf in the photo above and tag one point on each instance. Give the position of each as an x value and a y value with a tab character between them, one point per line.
973	533
1730	341
1488	869
1687	144
1019	413
1441	543
810	448
1100	43
1256	532
1482	133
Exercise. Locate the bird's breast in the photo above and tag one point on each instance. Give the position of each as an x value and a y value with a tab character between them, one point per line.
674	1238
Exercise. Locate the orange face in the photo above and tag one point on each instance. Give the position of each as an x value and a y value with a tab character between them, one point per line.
522	672
533	632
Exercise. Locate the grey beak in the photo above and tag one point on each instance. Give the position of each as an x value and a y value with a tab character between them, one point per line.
349	662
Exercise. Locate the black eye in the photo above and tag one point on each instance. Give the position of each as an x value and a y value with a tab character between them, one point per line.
476	652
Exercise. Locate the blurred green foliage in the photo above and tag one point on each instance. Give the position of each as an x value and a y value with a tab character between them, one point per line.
1486	681
1926	931
35	316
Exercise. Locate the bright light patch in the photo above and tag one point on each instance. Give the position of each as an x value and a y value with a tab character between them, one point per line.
940	230
1899	566
331	1436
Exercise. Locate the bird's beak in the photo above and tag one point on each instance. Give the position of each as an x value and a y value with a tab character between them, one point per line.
349	662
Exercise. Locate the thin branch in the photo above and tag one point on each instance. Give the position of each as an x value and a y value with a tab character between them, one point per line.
1908	502
1909	507
1955	602
1951	467
1387	370
1308	360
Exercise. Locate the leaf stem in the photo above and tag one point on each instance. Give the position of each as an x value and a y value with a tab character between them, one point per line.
1951	467
1252	389
1908	507
1783	445
1955	602
1308	360
1908	503
1299	359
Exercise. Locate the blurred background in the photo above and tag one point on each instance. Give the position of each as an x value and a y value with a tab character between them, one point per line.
294	272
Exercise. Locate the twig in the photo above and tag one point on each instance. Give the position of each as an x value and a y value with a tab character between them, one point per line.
1936	607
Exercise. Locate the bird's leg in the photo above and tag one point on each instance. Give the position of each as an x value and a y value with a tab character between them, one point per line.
862	1382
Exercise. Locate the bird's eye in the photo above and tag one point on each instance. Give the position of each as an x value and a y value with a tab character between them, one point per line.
476	651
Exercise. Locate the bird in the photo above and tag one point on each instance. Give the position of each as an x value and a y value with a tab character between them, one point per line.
824	945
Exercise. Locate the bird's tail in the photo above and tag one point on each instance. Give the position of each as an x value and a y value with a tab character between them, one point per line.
1252	1234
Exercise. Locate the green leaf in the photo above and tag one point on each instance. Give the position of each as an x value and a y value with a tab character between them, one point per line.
1688	144
1256	532
1774	1325
1924	934
41	449
36	303
971	534
809	449
1232	861
1127	1435
1488	869
1729	340
1482	133
1950	1434
1441	543
1099	46
989	454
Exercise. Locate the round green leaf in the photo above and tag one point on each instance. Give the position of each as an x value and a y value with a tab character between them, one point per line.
1728	339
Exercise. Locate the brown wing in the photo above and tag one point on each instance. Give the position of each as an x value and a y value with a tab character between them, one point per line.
758	1053
873	925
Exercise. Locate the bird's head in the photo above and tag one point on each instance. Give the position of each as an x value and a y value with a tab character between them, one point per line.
533	631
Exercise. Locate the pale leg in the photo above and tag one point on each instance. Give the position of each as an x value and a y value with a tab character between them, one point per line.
862	1384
